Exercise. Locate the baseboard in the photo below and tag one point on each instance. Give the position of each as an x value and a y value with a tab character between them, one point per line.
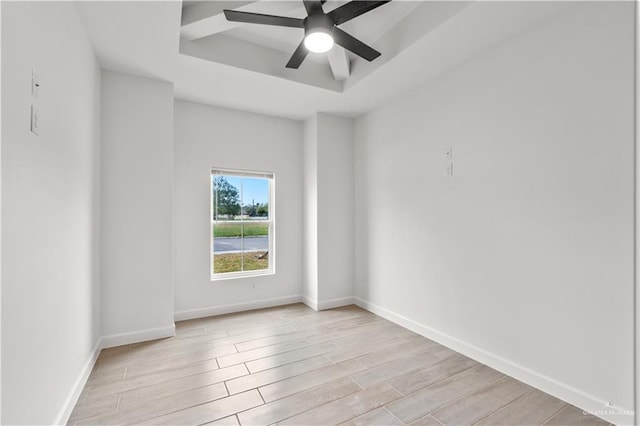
334	303
138	336
237	307
580	399
78	385
312	303
321	305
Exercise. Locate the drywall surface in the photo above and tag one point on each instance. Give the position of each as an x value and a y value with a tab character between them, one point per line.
335	214
637	236
206	137
310	209
137	206
0	223
50	209
526	252
328	211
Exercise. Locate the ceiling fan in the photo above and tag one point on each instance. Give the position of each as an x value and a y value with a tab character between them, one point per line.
320	29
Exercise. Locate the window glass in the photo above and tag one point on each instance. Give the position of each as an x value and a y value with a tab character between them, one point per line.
241	224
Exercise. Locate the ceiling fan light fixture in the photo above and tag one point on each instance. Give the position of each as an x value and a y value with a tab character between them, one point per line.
319	40
321	30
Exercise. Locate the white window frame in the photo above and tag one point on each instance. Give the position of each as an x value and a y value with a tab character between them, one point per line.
271	223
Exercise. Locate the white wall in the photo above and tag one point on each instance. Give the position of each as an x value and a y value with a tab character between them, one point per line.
310	212
637	229
0	221
50	210
137	203
328	211
207	136
524	258
335	209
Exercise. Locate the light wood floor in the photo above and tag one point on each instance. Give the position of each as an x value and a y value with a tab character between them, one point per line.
293	366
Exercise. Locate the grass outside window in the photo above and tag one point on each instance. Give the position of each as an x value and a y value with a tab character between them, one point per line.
231	230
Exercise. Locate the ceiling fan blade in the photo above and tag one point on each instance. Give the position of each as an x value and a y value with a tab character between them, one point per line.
354	45
259	18
353	9
312	6
298	56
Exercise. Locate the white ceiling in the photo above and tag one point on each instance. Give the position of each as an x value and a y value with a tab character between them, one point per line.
368	27
391	28
243	67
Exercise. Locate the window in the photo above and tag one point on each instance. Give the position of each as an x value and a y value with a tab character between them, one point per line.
242	223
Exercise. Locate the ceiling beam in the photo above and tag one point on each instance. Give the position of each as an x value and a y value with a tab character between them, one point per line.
339	62
199	10
205	18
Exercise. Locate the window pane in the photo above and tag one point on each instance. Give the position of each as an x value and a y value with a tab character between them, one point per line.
240	222
255	198
256	246
255	230
226	197
240	247
226	231
227	262
254	261
227	247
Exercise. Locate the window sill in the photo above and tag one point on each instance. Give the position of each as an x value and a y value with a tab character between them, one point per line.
237	275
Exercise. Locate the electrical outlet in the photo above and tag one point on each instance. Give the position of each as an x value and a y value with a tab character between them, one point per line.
35	125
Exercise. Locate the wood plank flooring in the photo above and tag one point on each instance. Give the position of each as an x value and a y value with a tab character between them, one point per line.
292	366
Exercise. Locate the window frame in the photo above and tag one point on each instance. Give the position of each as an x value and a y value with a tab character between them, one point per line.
270	177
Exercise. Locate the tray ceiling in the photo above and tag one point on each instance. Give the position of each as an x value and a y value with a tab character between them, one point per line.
243	66
391	28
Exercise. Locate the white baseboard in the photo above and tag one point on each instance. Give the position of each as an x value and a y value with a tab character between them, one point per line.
138	336
334	303
580	399
237	307
321	305
78	385
312	303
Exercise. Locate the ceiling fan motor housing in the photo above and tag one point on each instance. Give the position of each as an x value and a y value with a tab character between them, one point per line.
318	23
